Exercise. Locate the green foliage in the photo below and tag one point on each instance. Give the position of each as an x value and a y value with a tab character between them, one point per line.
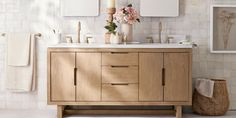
111	27
129	5
138	20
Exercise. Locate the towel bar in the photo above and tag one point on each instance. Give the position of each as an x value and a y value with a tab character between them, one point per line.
3	34
38	34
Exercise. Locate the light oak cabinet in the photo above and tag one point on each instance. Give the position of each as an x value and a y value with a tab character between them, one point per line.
176	86
164	77
119	77
119	59
88	79
75	77
120	74
119	92
150	77
62	77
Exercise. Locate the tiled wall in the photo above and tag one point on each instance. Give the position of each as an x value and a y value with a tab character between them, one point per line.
43	16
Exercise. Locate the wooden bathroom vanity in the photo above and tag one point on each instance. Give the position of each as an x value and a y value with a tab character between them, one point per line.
134	75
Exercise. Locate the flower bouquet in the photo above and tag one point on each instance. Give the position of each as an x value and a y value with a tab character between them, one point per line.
127	16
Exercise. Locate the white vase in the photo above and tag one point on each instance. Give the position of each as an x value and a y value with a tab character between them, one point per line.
127	30
115	38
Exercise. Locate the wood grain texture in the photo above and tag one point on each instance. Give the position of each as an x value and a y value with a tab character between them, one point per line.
120	112
62	77
150	77
49	77
118	58
176	76
127	74
178	111
122	103
60	110
176	85
190	83
88	77
119	93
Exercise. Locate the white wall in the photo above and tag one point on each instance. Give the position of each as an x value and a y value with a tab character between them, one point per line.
43	16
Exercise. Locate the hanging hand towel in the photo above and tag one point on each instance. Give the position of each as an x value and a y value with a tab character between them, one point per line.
21	69
205	87
18	48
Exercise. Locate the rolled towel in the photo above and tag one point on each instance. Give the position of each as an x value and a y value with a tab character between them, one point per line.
205	87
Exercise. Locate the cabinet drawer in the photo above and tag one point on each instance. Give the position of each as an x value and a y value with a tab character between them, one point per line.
119	74
120	58
119	92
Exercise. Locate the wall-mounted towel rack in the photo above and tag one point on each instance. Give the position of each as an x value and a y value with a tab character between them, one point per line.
36	35
3	34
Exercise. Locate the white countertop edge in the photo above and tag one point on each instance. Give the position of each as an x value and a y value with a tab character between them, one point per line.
142	45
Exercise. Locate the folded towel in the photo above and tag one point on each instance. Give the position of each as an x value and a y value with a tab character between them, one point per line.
22	78
205	87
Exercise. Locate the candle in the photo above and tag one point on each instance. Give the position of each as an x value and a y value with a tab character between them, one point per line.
111	4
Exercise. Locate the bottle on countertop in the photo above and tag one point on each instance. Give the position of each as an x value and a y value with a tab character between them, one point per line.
149	39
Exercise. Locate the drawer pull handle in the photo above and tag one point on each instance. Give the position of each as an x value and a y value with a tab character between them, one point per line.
119	53
163	77
120	84
120	66
75	76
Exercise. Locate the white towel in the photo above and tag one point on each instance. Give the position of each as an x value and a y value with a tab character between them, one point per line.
22	78
18	49
205	87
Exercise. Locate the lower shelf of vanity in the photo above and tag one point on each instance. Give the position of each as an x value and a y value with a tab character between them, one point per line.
119	110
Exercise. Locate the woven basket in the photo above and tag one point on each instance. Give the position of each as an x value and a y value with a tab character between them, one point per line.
217	105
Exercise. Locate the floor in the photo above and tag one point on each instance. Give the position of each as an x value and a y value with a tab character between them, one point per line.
52	114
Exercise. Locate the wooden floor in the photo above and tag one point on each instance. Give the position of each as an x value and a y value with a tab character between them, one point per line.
52	114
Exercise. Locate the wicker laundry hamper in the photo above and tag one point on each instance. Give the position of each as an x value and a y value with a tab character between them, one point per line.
217	105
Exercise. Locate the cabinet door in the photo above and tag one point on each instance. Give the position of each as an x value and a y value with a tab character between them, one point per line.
62	77
150	77
176	76
88	76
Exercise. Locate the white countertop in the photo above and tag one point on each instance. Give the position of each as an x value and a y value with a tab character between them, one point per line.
100	45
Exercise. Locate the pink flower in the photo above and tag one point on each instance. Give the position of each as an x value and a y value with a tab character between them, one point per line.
130	10
126	15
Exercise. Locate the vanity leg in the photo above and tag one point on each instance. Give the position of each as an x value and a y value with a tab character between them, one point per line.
178	111
60	109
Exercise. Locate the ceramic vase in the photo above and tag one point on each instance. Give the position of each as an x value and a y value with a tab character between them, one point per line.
107	38
127	30
115	38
